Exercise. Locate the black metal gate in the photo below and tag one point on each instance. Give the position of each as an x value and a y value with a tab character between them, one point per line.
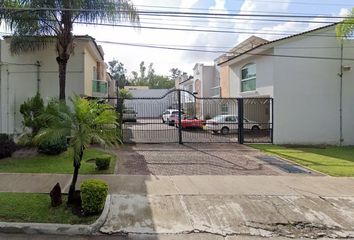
180	116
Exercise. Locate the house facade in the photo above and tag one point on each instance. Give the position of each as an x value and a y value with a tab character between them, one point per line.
311	80
204	84
22	76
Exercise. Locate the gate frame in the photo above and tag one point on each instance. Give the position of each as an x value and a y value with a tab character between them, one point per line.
239	102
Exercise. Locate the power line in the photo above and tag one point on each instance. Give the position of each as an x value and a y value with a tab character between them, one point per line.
202	30
178	13
236	53
224	49
221	10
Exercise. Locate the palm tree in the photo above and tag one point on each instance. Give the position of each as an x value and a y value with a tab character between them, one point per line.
88	121
345	29
36	23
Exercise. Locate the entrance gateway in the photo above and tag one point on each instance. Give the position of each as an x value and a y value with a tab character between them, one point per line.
179	116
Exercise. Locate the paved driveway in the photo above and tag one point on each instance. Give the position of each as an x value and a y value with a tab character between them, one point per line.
154	131
192	159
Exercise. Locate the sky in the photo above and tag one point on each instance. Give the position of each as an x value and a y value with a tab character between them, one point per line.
164	60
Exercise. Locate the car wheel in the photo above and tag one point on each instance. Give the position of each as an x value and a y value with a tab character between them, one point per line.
163	121
255	128
225	130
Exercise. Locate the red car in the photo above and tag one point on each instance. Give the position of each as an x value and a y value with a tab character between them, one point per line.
191	122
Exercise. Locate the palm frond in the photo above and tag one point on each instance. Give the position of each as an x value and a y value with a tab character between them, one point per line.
20	44
345	29
107	11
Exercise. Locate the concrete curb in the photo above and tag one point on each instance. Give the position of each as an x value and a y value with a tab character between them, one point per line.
57	229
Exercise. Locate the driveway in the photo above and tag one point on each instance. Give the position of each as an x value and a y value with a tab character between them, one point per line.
192	159
154	131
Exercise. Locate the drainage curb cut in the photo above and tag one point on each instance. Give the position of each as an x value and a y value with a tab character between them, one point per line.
58	229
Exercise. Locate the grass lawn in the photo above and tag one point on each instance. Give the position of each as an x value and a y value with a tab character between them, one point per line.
31	207
334	161
62	163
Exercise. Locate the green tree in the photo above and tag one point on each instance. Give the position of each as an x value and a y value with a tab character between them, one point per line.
36	23
150	79
345	29
118	73
88	121
31	109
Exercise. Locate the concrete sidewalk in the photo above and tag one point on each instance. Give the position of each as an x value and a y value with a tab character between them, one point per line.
289	185
224	206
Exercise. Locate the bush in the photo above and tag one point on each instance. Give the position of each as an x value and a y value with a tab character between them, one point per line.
51	147
31	109
8	146
102	163
93	195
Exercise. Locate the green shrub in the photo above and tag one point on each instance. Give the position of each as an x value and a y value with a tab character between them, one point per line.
53	147
93	195
31	109
8	146
102	163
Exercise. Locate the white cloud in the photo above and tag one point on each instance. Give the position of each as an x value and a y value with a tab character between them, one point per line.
344	12
131	56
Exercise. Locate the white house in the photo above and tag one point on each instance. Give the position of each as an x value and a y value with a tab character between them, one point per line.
204	84
22	76
311	80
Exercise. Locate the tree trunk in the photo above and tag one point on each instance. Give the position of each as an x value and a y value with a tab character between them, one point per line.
62	77
72	185
71	195
64	46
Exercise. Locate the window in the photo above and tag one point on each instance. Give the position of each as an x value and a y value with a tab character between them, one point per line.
94	73
230	119
248	78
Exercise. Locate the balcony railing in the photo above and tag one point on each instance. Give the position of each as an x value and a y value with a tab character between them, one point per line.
99	86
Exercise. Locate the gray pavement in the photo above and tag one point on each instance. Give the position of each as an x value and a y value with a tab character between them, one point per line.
212	191
196	236
192	159
290	185
223	206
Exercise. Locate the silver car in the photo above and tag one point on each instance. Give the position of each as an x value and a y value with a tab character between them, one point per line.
229	123
129	115
167	114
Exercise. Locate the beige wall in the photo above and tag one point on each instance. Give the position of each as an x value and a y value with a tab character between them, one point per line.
90	63
19	76
225	81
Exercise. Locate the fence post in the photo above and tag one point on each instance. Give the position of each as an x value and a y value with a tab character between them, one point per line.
240	121
272	131
180	140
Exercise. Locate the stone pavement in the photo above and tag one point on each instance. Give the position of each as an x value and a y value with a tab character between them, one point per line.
191	159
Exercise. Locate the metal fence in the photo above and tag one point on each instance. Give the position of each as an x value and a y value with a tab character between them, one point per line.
194	119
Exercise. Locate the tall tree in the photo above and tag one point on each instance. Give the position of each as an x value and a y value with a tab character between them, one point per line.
142	70
87	121
345	29
35	23
118	72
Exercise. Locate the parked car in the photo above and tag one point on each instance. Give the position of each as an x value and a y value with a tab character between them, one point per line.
129	115
174	117
229	123
190	122
166	115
